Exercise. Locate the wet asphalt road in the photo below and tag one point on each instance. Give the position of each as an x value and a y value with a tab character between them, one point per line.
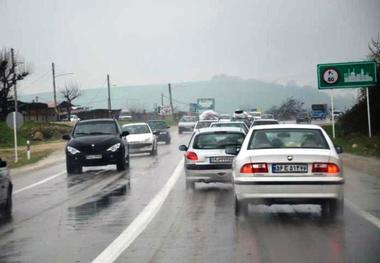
74	218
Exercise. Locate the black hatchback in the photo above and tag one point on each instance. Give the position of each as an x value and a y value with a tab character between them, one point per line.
94	143
161	129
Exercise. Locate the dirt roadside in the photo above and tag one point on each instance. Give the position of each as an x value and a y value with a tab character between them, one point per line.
57	155
368	165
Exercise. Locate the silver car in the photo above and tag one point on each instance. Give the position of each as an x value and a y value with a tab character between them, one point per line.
5	190
205	157
288	163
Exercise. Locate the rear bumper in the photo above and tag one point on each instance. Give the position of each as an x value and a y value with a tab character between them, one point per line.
280	190
208	174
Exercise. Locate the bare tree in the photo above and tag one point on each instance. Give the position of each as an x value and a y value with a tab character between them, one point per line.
9	75
70	92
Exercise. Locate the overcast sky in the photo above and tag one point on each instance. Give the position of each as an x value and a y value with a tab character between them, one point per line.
144	42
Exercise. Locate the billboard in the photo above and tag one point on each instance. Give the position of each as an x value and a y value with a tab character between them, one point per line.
204	104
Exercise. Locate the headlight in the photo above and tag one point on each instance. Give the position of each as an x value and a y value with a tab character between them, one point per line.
114	148
72	150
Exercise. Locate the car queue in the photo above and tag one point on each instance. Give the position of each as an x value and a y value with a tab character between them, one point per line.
271	163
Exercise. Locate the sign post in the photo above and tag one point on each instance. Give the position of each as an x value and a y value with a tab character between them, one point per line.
348	75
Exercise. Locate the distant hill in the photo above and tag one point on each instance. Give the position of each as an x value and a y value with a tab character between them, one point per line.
230	93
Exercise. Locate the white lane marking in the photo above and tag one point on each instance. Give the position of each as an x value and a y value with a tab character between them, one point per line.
39	183
370	218
138	225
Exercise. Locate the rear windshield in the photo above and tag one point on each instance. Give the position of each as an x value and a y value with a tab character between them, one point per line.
94	128
157	124
230	124
203	124
217	140
188	119
264	122
137	129
287	138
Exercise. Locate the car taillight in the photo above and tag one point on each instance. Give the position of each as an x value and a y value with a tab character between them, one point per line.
251	168
330	168
192	156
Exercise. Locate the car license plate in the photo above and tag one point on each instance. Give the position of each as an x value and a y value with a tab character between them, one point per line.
289	168
162	132
221	159
94	157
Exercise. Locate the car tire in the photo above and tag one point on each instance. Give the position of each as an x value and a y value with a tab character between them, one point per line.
336	208
332	209
121	165
179	131
154	150
7	210
127	163
190	185
241	208
167	141
72	169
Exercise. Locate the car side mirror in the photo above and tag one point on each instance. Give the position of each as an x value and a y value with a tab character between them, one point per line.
66	137
156	133
3	163
182	148
167	127
339	149
232	150
124	133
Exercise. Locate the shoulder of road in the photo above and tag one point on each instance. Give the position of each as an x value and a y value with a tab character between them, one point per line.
368	165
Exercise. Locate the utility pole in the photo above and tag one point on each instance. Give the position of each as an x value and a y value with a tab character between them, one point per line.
162	99
109	95
54	91
171	100
15	102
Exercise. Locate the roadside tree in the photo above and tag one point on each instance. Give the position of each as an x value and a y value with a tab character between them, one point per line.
9	75
69	93
355	119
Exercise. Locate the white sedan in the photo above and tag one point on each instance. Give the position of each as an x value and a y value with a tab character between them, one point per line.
288	164
141	138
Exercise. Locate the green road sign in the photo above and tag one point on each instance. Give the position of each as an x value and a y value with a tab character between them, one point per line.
347	75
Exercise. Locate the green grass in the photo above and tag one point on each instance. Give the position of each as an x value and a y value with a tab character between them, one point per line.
358	144
51	131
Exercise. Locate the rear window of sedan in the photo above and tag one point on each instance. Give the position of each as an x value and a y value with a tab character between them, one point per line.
287	138
230	124
217	140
136	129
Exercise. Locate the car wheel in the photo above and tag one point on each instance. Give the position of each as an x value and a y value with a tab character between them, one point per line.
336	208
241	208
167	141
121	165
190	185
154	150
72	169
127	164
8	206
179	131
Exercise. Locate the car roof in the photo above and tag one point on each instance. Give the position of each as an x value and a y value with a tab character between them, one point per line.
229	121
287	126
216	129
263	120
135	124
96	120
156	121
